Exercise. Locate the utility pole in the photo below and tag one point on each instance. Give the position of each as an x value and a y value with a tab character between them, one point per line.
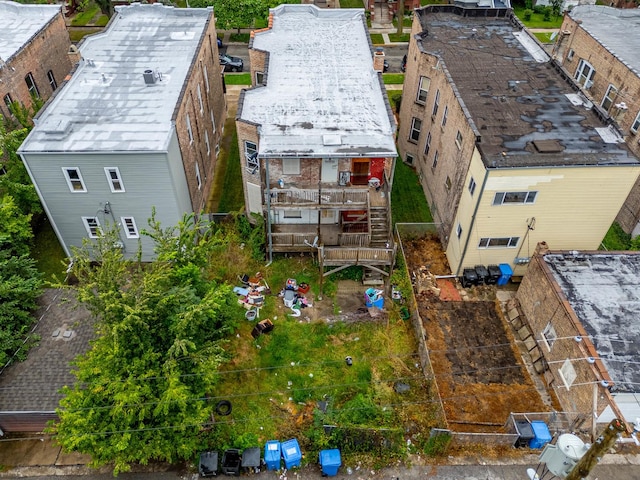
597	450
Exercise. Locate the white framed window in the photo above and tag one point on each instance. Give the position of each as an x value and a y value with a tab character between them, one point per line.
435	160
416	126
293	214
472	186
205	74
251	155
447	183
74	179
198	179
423	90
609	97
52	80
549	336
427	144
31	85
459	230
189	131
570	54
408	158
585	73
8	101
130	228
567	373
498	242
459	140
114	179
291	166
217	150
206	142
199	93
213	120
514	197
635	126
92	225
445	114
436	104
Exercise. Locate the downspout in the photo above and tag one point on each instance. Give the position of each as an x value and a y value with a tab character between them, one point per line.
268	217
473	221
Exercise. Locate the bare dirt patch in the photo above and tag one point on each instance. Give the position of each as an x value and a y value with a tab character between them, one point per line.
480	376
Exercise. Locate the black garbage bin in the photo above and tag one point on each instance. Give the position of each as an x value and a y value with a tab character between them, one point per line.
251	459
525	433
469	277
482	273
208	464
494	274
231	460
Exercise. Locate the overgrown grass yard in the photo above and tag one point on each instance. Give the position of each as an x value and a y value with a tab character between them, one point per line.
408	203
48	253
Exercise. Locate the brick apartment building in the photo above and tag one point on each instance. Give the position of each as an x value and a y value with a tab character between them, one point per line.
598	46
34	60
507	150
136	127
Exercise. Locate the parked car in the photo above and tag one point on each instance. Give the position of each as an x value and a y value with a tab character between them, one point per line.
385	66
231	64
403	65
219	42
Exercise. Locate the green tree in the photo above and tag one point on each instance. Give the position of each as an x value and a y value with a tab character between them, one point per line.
142	389
20	285
556	6
106	7
15	228
234	13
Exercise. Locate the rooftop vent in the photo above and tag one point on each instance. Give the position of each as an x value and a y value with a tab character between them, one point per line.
149	77
548	146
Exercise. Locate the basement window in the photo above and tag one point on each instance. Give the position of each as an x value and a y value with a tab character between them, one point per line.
567	373
549	336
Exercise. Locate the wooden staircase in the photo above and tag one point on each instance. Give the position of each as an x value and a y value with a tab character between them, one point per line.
379	221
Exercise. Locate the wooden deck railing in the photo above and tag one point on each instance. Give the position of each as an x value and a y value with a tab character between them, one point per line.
292	239
301	197
354	239
369	256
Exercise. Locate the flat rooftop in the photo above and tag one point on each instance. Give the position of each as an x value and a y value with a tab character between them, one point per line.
107	105
19	23
618	30
322	98
602	289
524	112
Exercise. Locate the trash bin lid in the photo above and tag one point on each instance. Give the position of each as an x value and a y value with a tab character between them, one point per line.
330	458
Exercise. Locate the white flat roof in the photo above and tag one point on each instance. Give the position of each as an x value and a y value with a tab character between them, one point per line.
616	29
19	23
323	98
106	105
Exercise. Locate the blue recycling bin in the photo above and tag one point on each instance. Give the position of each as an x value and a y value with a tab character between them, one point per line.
541	435
505	273
373	298
272	455
291	453
330	462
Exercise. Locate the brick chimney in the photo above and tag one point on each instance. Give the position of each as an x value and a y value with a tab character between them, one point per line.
378	59
74	54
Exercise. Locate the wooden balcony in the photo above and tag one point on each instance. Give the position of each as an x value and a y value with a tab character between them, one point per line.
336	256
303	197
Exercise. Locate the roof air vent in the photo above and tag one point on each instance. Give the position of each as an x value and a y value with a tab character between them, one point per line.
149	77
548	146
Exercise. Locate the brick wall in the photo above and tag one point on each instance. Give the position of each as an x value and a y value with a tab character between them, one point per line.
47	51
247	132
205	63
576	44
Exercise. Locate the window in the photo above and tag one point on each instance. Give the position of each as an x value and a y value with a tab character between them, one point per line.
549	335
213	121
52	80
31	85
251	154
259	78
199	93
74	179
206	142
189	131
427	144
416	126
423	90
129	225
584	74
409	159
293	214
636	124
205	74
291	166
459	230
514	197
114	179
93	226
499	242
570	55
472	186
459	140
436	104
447	183
444	116
609	97
198	179
435	160
217	150
8	101
567	373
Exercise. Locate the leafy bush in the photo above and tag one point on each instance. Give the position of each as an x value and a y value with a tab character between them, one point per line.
547	14
527	15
